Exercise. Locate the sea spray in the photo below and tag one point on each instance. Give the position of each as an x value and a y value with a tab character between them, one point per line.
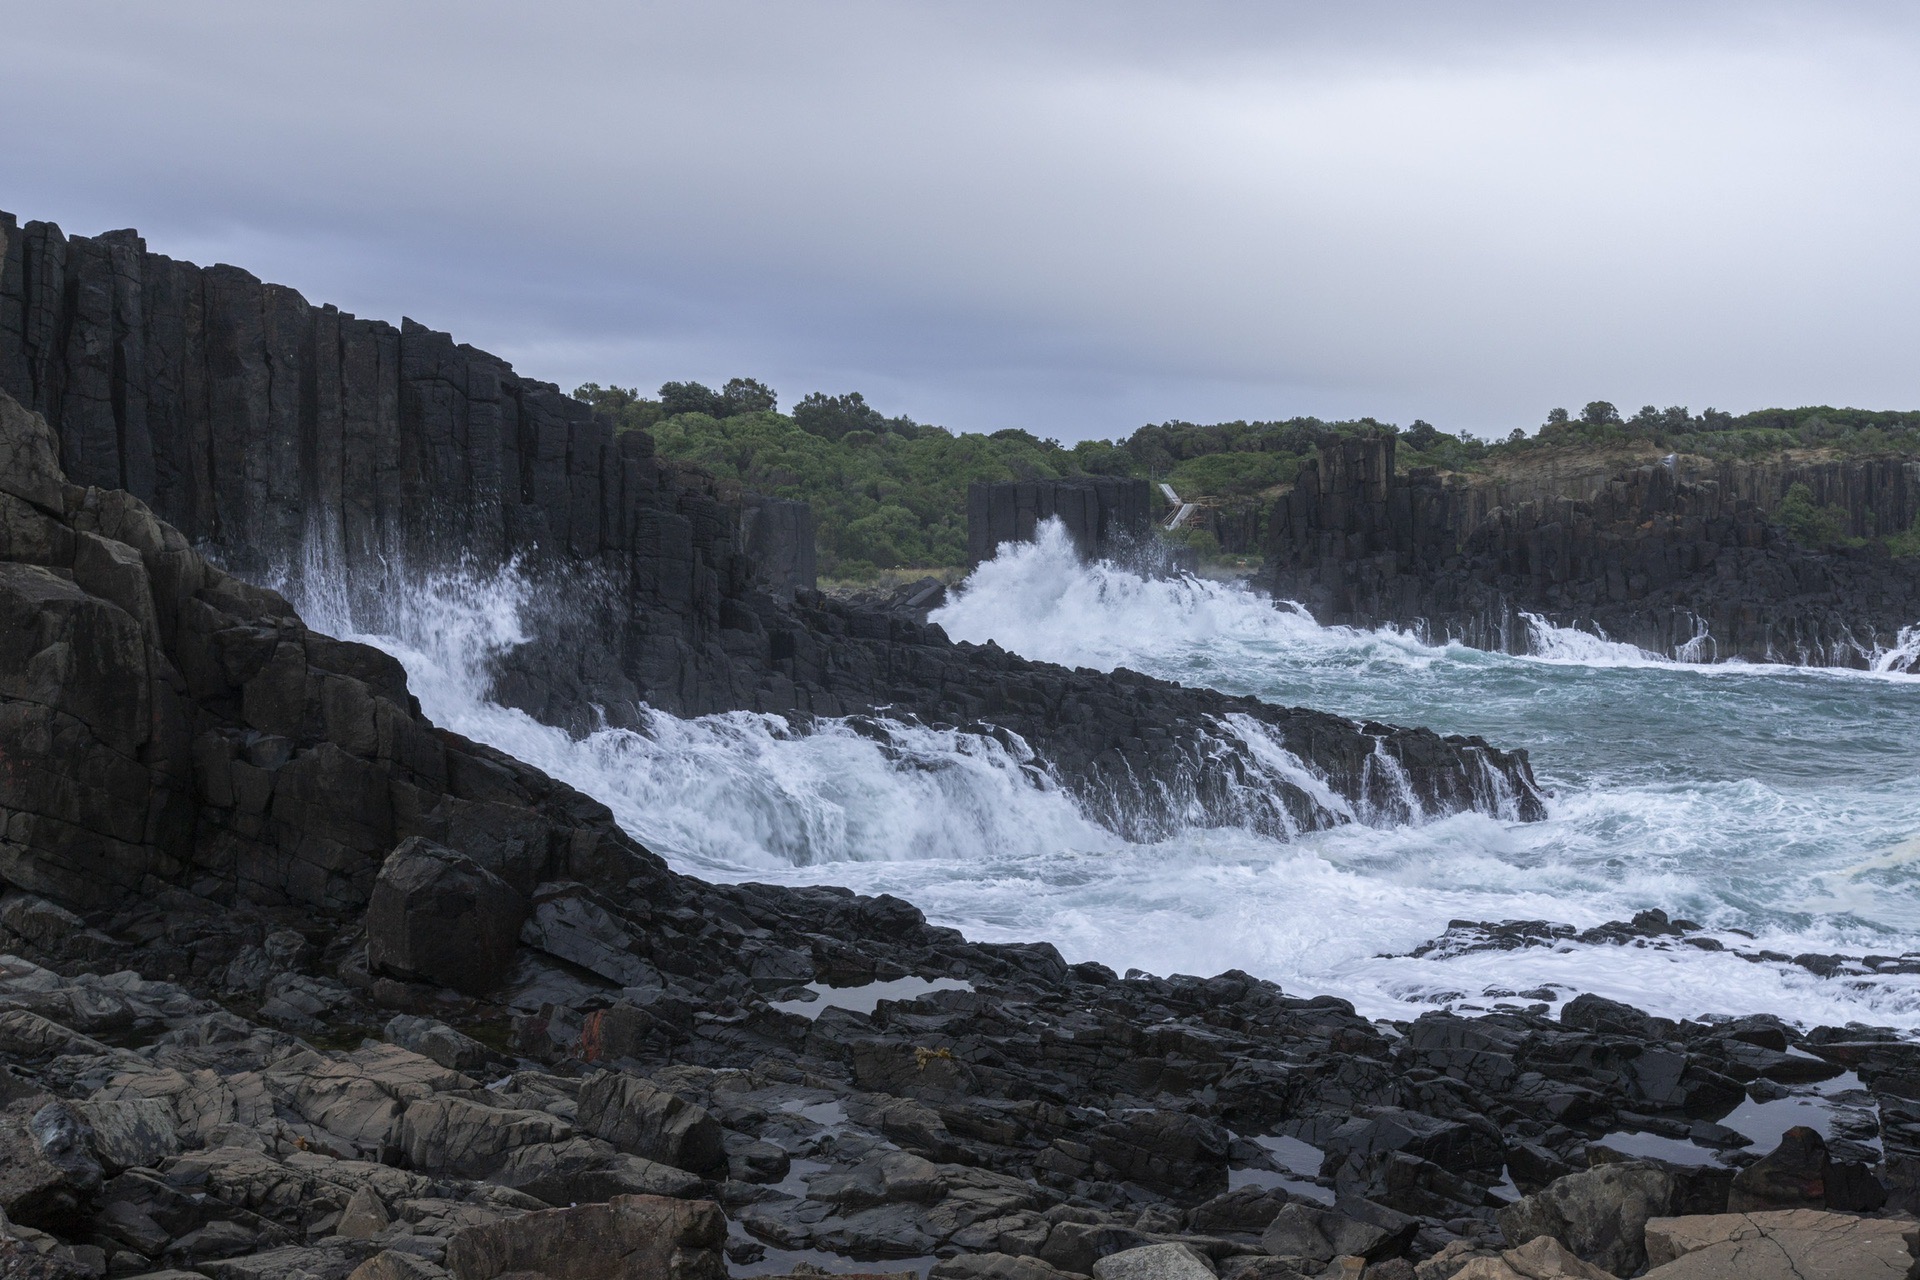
1765	799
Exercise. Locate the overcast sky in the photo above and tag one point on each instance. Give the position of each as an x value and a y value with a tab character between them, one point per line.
1074	218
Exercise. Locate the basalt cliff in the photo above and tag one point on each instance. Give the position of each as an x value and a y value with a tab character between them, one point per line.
293	441
1683	562
296	985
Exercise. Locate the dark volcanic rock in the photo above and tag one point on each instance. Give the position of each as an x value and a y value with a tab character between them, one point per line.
1104	516
650	1122
436	916
777	536
628	1238
1683	568
1601	1214
1792	1176
289	436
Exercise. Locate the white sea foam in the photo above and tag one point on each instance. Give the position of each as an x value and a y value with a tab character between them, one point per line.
1783	803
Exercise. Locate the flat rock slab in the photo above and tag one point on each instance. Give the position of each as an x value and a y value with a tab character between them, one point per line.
1542	1258
1153	1262
1788	1244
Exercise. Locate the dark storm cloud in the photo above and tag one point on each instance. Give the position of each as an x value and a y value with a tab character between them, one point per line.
1072	217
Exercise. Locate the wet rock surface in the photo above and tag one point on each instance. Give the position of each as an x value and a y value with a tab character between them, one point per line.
294	983
1045	1120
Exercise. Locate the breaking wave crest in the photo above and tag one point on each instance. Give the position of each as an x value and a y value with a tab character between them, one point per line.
1780	802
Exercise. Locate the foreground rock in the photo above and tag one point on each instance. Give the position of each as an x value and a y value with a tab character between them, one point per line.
629	1238
1792	1244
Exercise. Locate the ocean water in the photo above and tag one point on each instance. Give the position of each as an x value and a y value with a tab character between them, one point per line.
1777	802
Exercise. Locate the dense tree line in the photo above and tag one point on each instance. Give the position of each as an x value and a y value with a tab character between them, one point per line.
1716	434
890	492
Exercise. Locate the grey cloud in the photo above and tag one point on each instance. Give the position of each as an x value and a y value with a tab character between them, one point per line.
1071	217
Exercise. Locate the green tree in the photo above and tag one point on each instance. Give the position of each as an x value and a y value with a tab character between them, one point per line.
887	538
1811	524
831	417
747	395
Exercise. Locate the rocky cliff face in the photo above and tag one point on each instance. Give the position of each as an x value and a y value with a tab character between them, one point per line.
294	983
294	440
230	846
1688	569
1103	515
778	536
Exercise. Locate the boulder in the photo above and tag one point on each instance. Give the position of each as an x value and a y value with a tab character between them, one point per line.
1164	1150
996	1266
50	927
1457	1146
1077	1246
1792	1176
131	1133
364	1217
568	923
28	1036
580	1169
1600	1214
887	1177
470	1139
1155	1262
1319	1234
431	1038
1260	1267
1542	1258
642	1119
391	1264
628	1238
1248	1209
331	1259
438	916
1788	1244
48	1174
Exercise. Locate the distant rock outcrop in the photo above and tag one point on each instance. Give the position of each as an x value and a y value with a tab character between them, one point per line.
1685	569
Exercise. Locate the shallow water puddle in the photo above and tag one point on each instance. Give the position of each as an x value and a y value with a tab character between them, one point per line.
866	997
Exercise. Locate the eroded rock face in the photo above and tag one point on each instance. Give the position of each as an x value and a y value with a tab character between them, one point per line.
169	724
423	453
628	1238
48	1174
1684	567
641	1119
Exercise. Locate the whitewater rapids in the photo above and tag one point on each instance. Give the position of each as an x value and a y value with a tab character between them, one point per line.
1778	802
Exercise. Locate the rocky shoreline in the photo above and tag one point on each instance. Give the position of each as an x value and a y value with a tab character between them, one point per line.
296	442
259	1018
296	984
767	1080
